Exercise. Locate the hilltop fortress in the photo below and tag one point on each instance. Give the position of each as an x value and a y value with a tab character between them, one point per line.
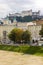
24	16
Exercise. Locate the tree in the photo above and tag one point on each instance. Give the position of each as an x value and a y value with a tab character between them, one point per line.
41	31
27	18
18	35
24	19
12	35
15	35
26	36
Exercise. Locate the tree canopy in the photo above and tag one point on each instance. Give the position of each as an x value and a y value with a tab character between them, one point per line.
41	31
18	35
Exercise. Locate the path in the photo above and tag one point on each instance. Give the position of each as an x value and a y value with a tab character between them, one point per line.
13	58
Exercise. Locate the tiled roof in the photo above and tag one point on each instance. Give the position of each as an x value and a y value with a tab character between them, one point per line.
39	22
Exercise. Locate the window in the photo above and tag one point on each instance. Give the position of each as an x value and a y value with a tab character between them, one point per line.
4	34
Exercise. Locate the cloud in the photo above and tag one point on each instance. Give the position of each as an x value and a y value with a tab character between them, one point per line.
7	6
19	5
4	10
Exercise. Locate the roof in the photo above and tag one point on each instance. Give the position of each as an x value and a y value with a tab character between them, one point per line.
39	22
31	23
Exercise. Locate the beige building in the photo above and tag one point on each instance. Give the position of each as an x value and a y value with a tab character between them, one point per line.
34	29
8	28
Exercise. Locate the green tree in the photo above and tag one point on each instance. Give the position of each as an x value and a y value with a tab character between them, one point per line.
26	36
41	31
16	35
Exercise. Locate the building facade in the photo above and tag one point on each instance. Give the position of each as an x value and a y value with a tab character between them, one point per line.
35	29
5	30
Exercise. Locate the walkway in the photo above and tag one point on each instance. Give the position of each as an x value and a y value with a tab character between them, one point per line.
13	58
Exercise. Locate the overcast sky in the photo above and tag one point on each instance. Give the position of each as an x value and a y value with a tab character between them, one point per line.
7	6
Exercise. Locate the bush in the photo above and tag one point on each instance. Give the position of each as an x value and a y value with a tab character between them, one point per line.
15	35
18	35
26	36
41	31
34	50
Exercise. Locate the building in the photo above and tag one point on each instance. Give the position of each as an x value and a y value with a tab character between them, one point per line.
5	30
26	13
38	22
34	29
36	13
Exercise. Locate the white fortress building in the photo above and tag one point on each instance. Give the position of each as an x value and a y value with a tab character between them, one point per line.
28	13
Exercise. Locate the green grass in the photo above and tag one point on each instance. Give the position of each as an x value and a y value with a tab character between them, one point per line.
34	50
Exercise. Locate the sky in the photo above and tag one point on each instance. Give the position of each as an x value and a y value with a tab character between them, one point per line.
12	6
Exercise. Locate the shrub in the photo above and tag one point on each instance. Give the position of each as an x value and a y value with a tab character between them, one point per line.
26	36
15	35
18	35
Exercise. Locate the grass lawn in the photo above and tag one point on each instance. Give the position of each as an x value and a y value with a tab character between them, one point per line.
34	50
